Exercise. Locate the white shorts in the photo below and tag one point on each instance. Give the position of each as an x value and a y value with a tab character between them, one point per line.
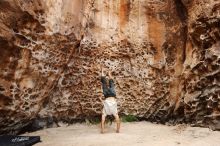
110	106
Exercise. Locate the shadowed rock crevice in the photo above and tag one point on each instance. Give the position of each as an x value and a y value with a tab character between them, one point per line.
183	15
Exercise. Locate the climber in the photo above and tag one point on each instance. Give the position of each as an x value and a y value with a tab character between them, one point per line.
110	104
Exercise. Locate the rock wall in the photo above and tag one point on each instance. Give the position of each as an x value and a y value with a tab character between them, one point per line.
164	55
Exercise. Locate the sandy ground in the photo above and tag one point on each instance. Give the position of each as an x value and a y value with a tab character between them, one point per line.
132	134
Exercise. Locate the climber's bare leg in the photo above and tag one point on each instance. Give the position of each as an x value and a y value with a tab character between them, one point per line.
103	123
117	119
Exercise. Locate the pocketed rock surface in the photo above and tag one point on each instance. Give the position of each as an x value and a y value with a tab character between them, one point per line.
164	55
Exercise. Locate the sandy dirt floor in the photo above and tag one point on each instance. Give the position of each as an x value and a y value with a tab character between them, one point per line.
132	134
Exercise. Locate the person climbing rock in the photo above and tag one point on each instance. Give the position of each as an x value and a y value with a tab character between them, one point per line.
109	104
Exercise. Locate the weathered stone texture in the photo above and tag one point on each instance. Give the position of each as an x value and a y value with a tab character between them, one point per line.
164	55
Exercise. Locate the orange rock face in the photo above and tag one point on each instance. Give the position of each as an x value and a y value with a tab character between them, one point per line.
164	55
